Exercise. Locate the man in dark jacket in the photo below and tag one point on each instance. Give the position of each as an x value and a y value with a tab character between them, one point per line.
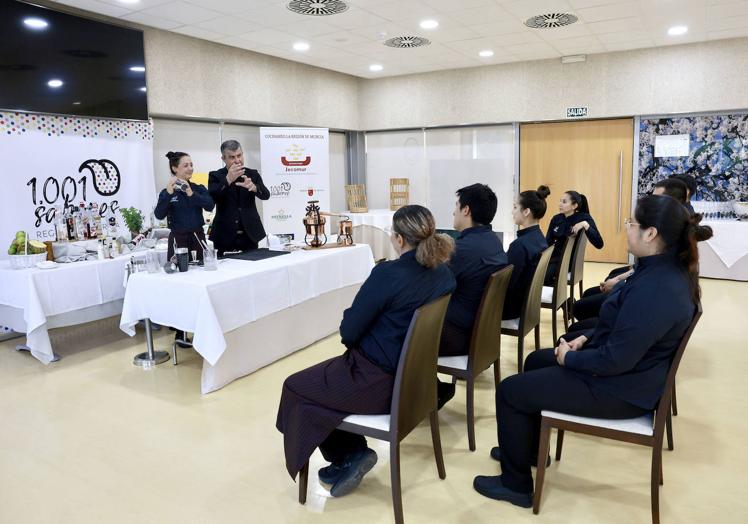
237	225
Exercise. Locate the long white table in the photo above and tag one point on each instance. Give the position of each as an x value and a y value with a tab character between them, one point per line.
725	255
371	228
246	314
33	300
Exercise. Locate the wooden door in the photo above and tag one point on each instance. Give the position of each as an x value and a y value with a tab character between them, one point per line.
592	157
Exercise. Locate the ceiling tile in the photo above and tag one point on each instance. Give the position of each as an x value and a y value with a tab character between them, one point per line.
583	4
633	44
310	28
500	27
450	6
481	15
524	9
728	33
230	7
104	8
270	37
181	12
609	12
152	21
228	26
354	19
198	32
614	26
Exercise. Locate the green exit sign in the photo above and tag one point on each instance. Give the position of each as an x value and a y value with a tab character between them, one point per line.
576	112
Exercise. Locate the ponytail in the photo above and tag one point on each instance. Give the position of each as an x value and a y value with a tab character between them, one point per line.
580	200
435	250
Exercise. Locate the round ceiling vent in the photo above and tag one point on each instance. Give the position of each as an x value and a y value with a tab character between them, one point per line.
405	42
317	7
551	20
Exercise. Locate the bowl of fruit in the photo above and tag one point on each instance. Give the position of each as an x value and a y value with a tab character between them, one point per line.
26	253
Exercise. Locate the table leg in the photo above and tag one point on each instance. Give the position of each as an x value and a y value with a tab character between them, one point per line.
150	357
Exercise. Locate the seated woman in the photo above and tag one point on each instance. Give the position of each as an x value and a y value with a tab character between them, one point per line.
182	204
620	372
574	216
587	307
314	401
525	251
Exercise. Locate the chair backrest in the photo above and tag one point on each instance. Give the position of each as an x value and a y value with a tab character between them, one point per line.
560	287
399	193
414	392
485	342
577	259
663	407
531	306
355	198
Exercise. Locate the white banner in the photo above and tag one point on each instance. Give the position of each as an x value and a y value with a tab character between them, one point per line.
295	166
48	161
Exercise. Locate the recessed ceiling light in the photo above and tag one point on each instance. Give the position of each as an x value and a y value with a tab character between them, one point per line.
486	53
35	23
143	89
375	67
301	46
677	30
129	1
137	69
76	103
429	24
55	83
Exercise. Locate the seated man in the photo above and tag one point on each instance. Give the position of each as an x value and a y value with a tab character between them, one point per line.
478	254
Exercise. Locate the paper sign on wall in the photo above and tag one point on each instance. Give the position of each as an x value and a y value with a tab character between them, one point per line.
671	145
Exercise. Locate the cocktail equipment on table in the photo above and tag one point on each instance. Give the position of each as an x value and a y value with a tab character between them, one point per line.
314	223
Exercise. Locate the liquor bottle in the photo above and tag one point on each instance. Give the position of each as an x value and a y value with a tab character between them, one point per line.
97	220
70	222
61	229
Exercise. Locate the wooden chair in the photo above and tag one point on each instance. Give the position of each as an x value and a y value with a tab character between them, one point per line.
576	270
355	198
413	398
556	297
646	430
399	193
485	344
530	317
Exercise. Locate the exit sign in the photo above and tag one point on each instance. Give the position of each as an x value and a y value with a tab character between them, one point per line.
576	112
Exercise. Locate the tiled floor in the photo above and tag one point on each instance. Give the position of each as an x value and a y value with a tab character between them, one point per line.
94	439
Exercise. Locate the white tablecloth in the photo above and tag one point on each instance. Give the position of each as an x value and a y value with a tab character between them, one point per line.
725	255
730	240
369	228
211	304
35	300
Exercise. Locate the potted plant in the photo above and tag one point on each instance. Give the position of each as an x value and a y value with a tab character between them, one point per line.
133	220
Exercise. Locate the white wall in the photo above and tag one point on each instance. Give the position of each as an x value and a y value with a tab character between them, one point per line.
701	77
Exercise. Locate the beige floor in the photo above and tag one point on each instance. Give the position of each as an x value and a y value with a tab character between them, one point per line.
94	439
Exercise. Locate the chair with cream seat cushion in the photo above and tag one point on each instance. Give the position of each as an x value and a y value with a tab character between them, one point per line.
556	297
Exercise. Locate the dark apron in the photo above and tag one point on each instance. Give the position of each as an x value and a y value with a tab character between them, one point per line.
315	401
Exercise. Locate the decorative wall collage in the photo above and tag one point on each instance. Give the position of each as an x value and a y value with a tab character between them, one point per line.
717	156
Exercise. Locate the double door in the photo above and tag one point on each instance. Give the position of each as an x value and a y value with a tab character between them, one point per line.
593	157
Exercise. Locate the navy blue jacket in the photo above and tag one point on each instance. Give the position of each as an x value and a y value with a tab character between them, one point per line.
560	229
478	254
639	328
183	213
524	254
380	315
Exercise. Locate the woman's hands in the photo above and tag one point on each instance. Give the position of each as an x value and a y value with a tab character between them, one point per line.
564	347
170	185
576	228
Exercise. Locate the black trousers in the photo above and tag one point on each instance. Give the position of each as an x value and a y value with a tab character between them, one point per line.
578	328
544	385
455	341
589	305
241	243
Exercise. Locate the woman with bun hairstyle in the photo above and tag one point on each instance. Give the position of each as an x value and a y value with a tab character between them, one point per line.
620	371
525	251
574	217
315	400
182	204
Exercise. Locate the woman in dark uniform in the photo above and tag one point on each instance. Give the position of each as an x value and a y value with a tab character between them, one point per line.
314	401
573	217
182	204
621	370
525	251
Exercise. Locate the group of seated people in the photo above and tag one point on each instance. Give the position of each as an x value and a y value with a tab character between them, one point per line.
616	369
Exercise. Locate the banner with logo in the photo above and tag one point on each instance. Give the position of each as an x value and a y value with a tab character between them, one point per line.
51	162
295	166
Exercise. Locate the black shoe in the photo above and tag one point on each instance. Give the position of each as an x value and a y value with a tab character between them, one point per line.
330	474
492	488
444	393
181	339
496	455
354	469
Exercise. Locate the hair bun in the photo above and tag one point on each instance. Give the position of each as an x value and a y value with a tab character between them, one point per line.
170	155
543	192
699	232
